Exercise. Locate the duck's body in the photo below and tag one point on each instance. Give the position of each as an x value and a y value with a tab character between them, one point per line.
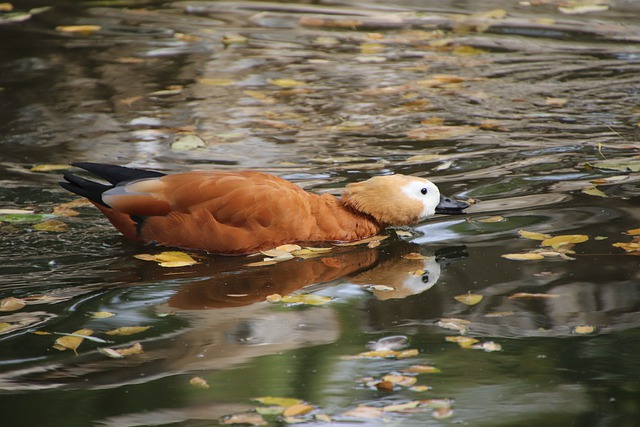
244	212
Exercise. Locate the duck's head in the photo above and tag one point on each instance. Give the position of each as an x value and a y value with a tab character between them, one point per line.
399	199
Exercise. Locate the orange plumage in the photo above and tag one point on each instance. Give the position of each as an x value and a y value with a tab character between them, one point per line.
239	212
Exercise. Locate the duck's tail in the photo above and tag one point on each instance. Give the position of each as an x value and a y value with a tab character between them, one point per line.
113	174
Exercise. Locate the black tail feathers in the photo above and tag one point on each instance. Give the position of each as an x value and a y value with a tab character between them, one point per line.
113	174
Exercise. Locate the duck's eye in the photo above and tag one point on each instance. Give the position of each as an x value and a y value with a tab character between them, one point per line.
423	190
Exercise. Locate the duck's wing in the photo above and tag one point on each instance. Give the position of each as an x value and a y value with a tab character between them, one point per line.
222	212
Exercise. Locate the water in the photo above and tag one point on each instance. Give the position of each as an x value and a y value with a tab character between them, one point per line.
515	112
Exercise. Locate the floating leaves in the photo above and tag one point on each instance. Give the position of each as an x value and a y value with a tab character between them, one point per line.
523	256
127	330
49	168
136	348
584	329
469	298
72	341
199	382
558	241
561	246
632	247
83	30
384	354
169	259
11	304
533	235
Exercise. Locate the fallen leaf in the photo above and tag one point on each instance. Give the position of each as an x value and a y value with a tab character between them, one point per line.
15	212
270	410
109	352
421	369
83	30
308	299
72	342
584	329
323	418
11	304
420	388
594	191
25	218
469	299
229	39
101	314
49	168
127	330
488	346
359	242
401	407
633	232
297	409
187	142
620	164
280	401
557	241
384	386
532	295
286	83
523	257
54	225
556	102
199	382
442	413
401	380
414	255
364	411
491	219
274	298
582	9
499	314
628	247
169	259
215	82
462	341
460	325
434	133
533	236
385	354
245	418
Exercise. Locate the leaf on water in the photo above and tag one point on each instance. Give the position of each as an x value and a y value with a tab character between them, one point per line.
323	418
532	295
523	257
279	401
281	250
187	142
499	314
488	346
633	232
67	209
83	30
533	236
619	164
250	418
491	219
423	158
434	133
385	354
169	259
129	351
364	411
582	9
402	407
378	288
460	325
25	218
372	48
594	191
584	329
557	241
363	241
442	413
6	7
628	247
15	212
269	410
462	341
11	304
420	388
401	380
199	382
308	299
101	314
556	102
73	341
469	298
465	50
414	255
421	369
49	168
109	352
216	82
297	409
286	83
233	38
127	330
54	225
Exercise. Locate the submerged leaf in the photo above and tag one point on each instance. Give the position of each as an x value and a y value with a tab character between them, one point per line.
101	314
584	329
84	30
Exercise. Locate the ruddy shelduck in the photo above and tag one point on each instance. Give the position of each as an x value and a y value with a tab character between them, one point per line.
245	212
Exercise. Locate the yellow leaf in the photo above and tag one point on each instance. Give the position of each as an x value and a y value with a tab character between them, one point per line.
469	299
101	314
593	191
422	369
385	354
532	295
434	133
633	232
468	51
523	257
49	168
492	219
216	82
169	259
460	325
245	418
6	7
401	380
109	352
533	236
51	225
68	342
462	341
274	298
11	304
297	409
309	299
557	241
127	330
364	411
286	83
556	102
584	329
229	39
84	30
5	326
414	255
401	407
129	351
420	388
199	382
629	247
280	401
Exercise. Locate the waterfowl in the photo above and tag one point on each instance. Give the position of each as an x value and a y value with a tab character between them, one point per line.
244	212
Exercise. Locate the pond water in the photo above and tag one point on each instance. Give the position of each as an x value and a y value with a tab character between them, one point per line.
528	108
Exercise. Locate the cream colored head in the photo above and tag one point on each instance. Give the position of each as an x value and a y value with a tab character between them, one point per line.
394	199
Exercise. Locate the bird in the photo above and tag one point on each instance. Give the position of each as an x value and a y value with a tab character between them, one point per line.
244	212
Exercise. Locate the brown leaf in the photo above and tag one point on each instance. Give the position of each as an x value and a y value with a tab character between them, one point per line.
469	299
11	304
69	342
297	409
127	330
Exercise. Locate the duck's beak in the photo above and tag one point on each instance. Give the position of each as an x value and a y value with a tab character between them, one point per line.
450	206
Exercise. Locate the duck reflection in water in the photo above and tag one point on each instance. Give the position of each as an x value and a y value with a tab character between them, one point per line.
391	271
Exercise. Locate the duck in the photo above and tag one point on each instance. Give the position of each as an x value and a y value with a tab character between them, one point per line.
244	212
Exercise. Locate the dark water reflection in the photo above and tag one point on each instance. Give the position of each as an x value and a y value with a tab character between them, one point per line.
325	94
